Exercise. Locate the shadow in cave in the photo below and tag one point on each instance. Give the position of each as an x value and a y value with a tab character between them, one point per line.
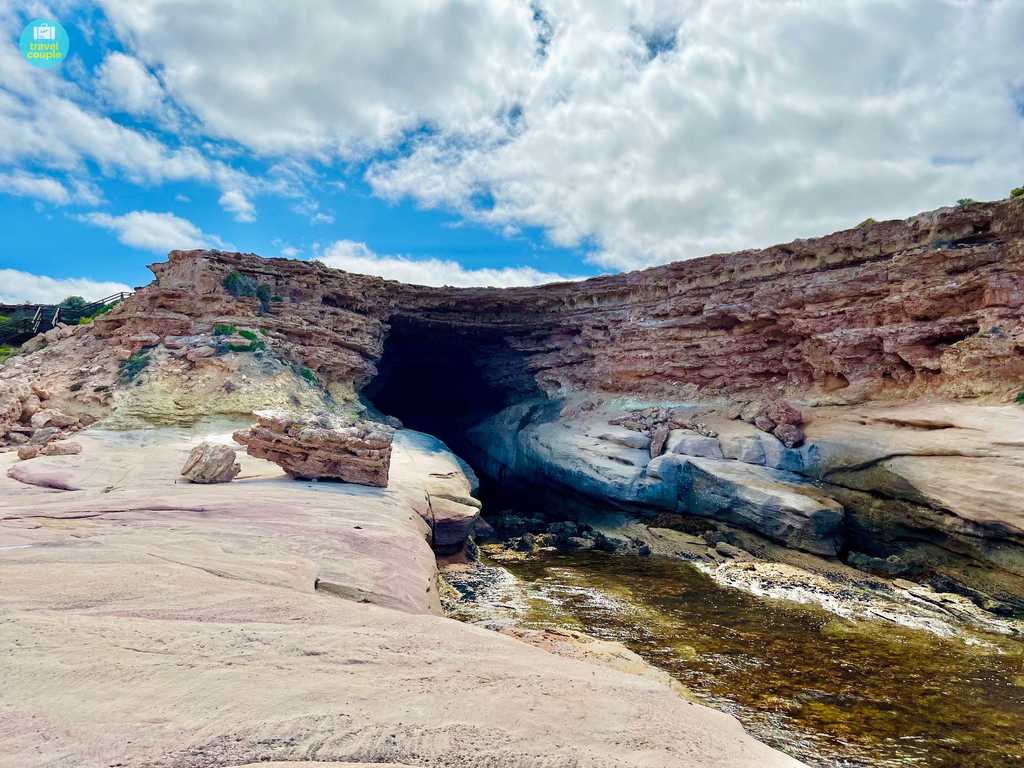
443	380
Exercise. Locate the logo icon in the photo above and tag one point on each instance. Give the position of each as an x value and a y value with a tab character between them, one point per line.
44	43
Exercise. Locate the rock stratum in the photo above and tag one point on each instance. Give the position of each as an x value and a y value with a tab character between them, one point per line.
851	398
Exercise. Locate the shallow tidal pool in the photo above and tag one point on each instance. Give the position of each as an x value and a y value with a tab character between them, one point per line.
829	691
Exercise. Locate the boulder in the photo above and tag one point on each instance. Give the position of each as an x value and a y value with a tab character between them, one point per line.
60	449
44	435
453	522
51	417
321	447
211	463
26	452
692	444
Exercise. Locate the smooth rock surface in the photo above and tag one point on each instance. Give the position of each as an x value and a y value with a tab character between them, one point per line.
268	620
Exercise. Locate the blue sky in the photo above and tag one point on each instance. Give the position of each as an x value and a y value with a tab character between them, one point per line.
495	142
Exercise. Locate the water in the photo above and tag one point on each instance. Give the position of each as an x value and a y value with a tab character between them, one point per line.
829	691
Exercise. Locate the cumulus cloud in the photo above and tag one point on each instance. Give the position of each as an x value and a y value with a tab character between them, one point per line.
720	125
17	287
654	129
332	79
128	85
236	202
357	257
151	231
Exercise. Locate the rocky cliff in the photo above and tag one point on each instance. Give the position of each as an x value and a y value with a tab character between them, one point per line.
932	304
532	379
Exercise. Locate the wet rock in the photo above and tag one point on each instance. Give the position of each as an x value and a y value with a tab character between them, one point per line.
211	463
321	447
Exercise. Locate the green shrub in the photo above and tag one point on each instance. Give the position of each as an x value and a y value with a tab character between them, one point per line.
277	299
73	302
963	202
4	319
7	352
867	222
85	320
263	294
239	285
245	333
255	346
264	331
1017	192
309	376
1020	397
223	329
134	365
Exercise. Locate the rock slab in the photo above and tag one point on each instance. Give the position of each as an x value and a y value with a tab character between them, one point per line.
321	447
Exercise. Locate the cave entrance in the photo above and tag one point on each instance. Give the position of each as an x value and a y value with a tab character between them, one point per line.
443	380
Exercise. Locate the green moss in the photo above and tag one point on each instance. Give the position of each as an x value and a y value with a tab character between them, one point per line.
223	329
7	352
867	222
134	365
245	333
1020	397
264	331
309	376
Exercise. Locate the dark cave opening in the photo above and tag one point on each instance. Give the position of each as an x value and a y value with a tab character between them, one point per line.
443	380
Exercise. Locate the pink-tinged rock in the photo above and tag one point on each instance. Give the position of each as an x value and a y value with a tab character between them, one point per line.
61	449
211	463
30	406
199	353
321	447
44	435
26	452
51	417
791	435
453	517
43	476
41	392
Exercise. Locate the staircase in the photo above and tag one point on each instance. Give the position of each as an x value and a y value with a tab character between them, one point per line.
27	320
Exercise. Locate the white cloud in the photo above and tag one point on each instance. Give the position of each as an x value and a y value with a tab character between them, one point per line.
236	202
762	123
656	129
157	232
357	257
128	85
23	184
335	78
17	287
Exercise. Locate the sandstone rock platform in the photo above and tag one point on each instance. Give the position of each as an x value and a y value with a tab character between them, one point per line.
149	621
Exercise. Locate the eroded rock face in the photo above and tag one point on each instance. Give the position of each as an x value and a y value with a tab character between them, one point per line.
211	463
321	447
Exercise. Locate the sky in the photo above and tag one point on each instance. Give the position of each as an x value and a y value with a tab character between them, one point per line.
489	142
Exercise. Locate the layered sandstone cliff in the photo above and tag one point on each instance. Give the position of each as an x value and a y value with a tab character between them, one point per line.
863	320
